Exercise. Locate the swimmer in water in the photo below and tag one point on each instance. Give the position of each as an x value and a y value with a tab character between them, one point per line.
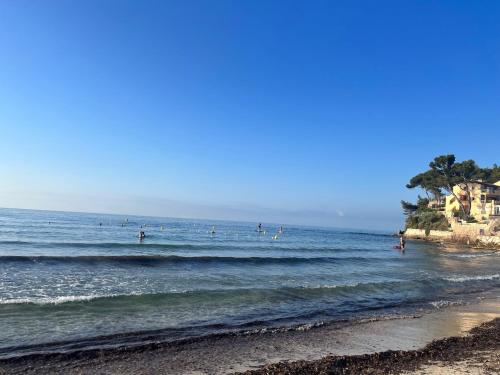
281	229
141	235
259	227
213	230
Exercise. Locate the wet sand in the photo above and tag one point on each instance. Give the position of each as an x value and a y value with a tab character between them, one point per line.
476	353
225	354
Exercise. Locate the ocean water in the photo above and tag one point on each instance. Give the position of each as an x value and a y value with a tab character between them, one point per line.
72	280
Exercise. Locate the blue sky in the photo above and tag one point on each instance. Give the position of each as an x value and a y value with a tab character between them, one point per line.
296	112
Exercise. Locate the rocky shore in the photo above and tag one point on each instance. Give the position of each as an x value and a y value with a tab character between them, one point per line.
475	241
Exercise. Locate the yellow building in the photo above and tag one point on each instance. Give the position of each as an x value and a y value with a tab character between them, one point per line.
485	201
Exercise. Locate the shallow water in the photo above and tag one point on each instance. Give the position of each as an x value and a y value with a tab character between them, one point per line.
71	276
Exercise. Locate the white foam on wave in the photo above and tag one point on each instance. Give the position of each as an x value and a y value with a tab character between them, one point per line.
67	299
443	303
348	285
380	318
329	286
461	279
51	300
300	327
461	255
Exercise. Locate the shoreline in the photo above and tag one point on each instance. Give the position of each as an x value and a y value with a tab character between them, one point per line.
473	246
226	354
478	351
449	237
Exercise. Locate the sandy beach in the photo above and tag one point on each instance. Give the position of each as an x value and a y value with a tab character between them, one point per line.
401	345
476	353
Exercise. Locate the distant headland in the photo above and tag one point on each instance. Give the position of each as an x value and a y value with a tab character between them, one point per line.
461	203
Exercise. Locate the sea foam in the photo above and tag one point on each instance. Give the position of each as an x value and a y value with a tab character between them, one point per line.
51	300
461	279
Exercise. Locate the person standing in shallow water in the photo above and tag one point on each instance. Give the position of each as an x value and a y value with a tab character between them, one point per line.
402	241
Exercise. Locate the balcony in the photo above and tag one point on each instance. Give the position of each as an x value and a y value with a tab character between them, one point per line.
490	191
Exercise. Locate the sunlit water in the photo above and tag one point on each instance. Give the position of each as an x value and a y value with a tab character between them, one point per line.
74	277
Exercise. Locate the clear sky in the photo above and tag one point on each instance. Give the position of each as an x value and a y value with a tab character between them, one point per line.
312	112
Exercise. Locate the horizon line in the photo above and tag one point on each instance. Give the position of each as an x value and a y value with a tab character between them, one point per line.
194	219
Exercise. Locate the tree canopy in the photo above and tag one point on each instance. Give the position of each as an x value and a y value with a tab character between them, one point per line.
430	181
420	216
491	175
444	173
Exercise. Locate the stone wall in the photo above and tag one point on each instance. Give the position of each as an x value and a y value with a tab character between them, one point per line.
433	235
471	230
463	233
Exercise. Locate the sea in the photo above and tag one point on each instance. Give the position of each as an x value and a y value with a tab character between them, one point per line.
77	281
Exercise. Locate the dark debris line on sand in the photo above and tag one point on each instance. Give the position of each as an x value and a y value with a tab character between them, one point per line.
484	337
